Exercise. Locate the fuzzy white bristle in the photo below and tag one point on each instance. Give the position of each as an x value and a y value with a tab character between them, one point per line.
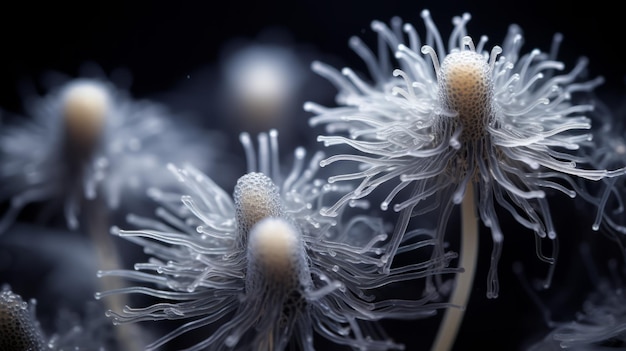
85	106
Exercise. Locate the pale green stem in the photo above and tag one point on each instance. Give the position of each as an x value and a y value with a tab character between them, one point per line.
468	255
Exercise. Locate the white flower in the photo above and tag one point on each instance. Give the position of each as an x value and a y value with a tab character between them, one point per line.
440	117
264	267
88	139
262	82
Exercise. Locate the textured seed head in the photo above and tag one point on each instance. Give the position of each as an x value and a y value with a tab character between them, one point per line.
85	106
466	87
256	197
18	328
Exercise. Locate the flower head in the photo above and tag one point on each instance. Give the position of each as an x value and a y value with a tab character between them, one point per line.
262	81
437	118
264	267
257	84
86	138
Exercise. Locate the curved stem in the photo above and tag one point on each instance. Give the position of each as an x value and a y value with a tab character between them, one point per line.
468	256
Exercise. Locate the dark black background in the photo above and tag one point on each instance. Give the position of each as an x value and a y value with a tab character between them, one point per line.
163	43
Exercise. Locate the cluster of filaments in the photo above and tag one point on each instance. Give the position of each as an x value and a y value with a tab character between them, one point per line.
279	260
448	116
267	255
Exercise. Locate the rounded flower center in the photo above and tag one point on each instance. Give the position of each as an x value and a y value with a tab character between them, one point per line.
465	86
274	247
85	106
